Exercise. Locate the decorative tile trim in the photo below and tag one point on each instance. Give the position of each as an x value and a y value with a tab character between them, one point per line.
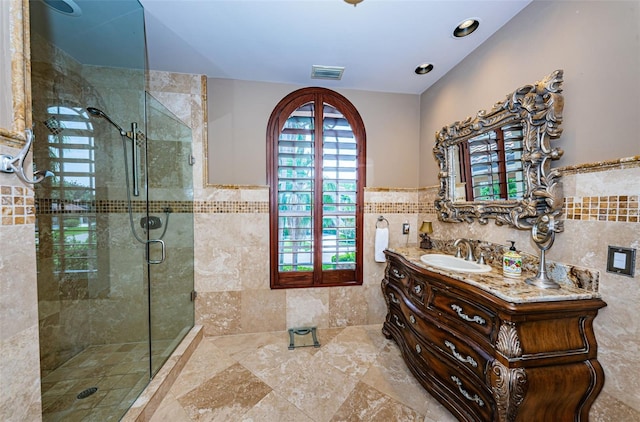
391	189
55	206
391	208
399	208
17	205
620	208
237	187
11	139
231	207
619	164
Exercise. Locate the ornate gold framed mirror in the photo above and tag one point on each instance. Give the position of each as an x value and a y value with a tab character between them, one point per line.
497	164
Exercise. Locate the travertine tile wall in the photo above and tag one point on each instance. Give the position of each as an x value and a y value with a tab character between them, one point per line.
585	243
20	363
232	267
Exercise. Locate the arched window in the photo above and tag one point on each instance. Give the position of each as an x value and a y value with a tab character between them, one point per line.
316	171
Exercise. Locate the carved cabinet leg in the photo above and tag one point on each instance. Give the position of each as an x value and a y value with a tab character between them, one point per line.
509	389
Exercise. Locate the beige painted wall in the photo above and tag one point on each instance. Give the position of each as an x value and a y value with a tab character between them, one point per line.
238	116
597	43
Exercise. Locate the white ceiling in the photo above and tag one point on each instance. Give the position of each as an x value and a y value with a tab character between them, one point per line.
379	42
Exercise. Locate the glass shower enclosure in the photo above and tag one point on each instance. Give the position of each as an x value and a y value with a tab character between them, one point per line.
114	229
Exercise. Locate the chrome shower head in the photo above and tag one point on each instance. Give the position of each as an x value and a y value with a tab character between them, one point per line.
99	113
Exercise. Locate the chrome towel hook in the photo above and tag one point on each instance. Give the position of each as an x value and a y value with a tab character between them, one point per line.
11	164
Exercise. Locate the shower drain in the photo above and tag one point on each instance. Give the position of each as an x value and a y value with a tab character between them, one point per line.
86	393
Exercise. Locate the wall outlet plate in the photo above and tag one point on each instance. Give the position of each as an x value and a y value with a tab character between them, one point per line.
405	228
621	260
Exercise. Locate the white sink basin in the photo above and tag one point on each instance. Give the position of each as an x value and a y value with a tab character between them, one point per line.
451	263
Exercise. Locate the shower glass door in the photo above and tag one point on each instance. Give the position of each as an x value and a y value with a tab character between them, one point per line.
108	317
169	175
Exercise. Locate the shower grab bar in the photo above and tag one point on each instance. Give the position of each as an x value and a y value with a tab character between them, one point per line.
162	257
134	158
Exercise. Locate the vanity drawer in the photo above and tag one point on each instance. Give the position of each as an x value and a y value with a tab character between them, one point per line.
467	314
397	274
466	392
463	391
392	292
417	290
463	351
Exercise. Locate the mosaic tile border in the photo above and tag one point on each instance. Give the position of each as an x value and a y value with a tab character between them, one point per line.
54	206
621	208
20	207
399	208
17	205
231	207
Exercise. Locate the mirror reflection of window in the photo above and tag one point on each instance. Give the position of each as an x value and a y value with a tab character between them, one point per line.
491	165
71	153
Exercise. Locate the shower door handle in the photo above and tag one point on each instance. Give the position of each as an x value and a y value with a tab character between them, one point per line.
162	257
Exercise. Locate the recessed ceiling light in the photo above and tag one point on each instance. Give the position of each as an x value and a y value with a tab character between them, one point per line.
66	7
466	27
424	68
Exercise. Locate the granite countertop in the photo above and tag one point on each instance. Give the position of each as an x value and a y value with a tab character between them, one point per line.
514	290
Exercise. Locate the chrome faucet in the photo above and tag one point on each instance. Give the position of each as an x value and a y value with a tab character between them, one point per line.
469	243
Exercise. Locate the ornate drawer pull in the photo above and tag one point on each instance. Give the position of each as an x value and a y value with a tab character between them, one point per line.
412	319
417	288
471	361
398	323
397	273
476	319
393	298
468	396
418	348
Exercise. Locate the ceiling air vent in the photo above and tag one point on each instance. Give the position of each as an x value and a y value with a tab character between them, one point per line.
327	72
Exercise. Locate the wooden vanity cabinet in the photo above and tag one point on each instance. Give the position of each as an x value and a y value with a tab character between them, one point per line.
488	359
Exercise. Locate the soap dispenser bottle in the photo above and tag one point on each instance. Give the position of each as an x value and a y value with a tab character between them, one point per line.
512	262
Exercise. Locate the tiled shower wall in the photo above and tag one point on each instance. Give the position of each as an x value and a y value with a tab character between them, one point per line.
19	370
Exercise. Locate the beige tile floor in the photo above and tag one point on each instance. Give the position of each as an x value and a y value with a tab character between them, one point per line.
356	375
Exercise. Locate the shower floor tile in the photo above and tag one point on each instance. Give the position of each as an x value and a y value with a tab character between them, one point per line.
119	371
